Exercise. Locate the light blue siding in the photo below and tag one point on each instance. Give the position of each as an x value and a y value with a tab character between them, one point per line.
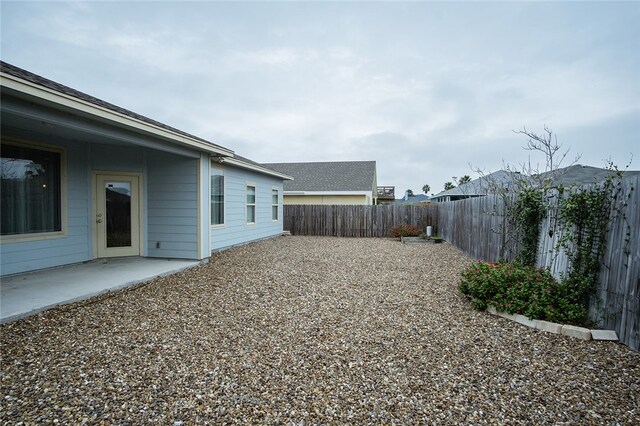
178	223
170	199
235	230
172	206
170	195
169	214
74	247
116	158
177	237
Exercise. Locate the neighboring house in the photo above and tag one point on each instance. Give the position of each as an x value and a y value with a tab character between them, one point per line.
342	182
577	174
478	187
412	199
386	194
84	179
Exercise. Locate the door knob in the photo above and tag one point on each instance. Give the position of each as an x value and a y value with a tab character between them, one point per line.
98	220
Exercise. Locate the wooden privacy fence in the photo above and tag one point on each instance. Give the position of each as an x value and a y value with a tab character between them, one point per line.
356	221
616	303
473	225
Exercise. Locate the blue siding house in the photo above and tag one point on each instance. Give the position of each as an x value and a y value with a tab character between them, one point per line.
83	179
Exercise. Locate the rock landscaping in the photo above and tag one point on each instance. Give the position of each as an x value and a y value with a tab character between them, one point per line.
307	330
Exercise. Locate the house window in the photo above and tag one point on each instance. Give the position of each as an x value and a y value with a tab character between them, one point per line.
217	197
274	204
31	190
251	204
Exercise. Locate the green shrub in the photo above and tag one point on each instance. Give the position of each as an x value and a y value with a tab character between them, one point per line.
405	231
520	289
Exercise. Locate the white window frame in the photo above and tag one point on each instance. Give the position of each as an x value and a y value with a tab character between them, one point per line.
248	185
224	197
63	193
276	205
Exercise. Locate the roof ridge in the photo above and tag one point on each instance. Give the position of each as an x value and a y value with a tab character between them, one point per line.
322	162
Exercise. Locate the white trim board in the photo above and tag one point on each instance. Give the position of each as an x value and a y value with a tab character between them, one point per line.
326	193
255	168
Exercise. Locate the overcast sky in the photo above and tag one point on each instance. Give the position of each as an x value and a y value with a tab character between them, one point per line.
423	88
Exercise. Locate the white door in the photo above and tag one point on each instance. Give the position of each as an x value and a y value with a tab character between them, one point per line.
117	215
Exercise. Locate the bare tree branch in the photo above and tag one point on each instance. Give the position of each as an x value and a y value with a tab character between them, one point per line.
546	143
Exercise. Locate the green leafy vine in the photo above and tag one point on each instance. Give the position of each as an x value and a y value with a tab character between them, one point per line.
584	216
528	212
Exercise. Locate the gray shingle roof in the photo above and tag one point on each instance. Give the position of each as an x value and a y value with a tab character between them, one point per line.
49	84
576	174
481	185
260	167
582	175
246	160
328	176
419	198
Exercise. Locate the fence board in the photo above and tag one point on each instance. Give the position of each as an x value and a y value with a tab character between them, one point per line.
356	221
473	226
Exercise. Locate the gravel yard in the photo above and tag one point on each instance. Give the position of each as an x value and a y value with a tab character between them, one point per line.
306	330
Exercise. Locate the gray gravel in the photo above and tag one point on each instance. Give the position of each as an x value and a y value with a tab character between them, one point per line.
305	330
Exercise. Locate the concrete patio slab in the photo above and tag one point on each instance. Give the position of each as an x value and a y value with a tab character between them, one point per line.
26	294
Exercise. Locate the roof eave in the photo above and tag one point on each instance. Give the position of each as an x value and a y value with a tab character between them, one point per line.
44	93
305	192
239	163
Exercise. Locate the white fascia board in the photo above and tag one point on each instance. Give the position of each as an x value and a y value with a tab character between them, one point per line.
238	163
47	94
118	135
327	193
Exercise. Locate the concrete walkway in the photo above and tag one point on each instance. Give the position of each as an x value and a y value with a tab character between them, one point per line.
26	294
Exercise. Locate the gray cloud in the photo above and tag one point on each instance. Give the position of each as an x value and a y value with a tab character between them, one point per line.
424	89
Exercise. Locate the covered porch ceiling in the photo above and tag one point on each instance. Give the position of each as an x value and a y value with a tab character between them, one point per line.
29	120
36	105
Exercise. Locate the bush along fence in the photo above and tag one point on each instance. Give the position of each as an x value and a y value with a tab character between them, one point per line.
587	237
356	221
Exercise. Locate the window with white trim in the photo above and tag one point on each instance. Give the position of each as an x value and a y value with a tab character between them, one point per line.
31	190
274	204
217	197
251	204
